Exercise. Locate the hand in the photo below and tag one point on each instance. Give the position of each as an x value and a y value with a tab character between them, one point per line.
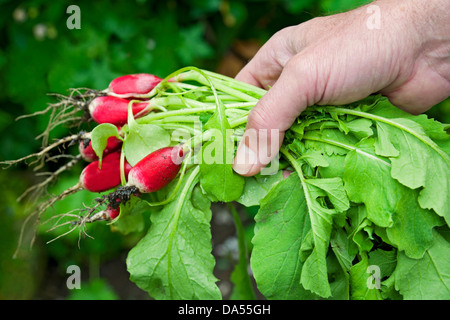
341	59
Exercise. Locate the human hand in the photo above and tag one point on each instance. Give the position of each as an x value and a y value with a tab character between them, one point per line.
339	59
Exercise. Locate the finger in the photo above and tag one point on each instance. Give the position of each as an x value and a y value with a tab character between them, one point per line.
417	95
273	115
266	66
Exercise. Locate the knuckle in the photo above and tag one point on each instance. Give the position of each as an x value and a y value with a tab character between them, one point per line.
260	117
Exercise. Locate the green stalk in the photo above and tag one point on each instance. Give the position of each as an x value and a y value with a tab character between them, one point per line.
238	122
181	119
182	112
198	139
294	164
123	179
236	84
177	126
200	77
240	277
176	100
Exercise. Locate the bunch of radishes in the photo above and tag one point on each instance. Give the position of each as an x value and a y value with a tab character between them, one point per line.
150	174
176	104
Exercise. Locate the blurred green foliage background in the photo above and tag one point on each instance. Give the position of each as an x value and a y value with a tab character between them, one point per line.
40	55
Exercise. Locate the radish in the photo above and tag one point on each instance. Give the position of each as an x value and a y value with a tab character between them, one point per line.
98	180
133	85
151	174
156	170
113	212
88	153
93	179
109	109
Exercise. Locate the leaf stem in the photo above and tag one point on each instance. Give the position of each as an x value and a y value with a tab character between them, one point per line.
366	115
123	179
245	282
237	122
236	84
176	216
206	79
294	164
347	147
206	108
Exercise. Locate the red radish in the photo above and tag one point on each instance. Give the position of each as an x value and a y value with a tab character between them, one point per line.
88	153
98	180
109	109
113	213
156	170
133	84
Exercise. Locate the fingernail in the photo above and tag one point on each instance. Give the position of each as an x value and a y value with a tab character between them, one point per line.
245	159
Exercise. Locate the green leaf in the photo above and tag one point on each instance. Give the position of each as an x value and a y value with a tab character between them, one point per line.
361	166
412	230
333	188
257	187
216	173
393	205
335	167
99	138
143	139
383	144
131	217
174	261
320	195
299	128
320	141
343	249
417	161
388	290
339	279
360	229
314	273
385	260
221	183
363	287
434	129
428	277
282	223
314	158
360	128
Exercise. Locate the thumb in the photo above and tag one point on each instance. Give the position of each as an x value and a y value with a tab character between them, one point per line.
272	116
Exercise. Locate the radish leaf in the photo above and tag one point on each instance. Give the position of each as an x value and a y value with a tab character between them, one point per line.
428	277
217	177
143	139
282	224
174	261
99	138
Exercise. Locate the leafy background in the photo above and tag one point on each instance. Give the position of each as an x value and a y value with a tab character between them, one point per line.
40	55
